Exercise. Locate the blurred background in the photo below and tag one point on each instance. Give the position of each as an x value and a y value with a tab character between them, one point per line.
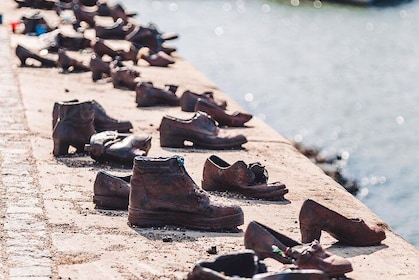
341	78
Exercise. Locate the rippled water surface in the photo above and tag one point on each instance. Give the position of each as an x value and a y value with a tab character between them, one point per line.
337	77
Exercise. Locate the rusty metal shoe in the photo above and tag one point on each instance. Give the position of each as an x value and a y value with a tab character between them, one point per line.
24	54
236	119
240	265
99	68
159	59
111	191
189	99
261	238
124	77
102	121
313	256
201	130
147	95
74	127
101	49
247	179
268	243
82	14
69	64
315	217
116	31
111	146
71	43
163	193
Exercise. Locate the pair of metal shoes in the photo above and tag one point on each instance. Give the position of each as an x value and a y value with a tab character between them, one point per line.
111	191
64	61
216	108
200	130
246	265
161	192
134	54
78	123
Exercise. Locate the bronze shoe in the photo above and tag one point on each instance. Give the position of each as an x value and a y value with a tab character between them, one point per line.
68	63
102	121
268	243
315	217
313	256
147	95
159	59
74	127
83	14
116	31
99	68
249	180
72	43
236	119
111	146
201	130
261	238
123	77
163	193
110	191
241	264
143	36
101	49
189	99
23	54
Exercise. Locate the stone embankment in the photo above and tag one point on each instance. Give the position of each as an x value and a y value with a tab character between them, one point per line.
50	228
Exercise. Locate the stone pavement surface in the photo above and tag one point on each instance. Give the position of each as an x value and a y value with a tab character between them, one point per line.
25	239
50	228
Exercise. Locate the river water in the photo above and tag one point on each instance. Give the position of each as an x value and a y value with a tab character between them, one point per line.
337	77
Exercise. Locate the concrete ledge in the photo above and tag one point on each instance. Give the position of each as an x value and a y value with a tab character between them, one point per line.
82	242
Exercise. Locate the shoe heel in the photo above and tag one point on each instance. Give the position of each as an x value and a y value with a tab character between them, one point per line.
96	75
22	60
172	141
309	233
60	148
96	152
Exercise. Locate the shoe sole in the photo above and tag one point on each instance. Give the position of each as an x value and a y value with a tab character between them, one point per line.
145	218
110	202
